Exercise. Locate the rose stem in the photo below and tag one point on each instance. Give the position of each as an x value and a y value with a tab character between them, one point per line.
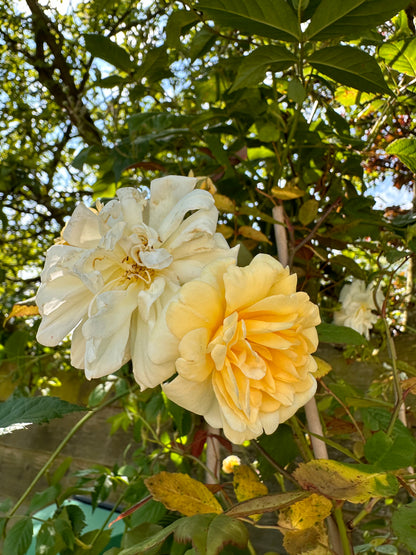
311	409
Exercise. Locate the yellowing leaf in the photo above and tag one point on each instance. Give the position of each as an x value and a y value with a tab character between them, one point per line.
288	192
247	484
180	492
323	367
409	385
206	184
251	233
306	513
311	541
225	230
338	481
224	204
21	311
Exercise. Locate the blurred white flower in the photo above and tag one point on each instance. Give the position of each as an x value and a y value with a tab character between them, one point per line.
357	307
229	463
113	273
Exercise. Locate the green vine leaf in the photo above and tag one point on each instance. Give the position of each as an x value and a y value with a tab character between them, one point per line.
210	533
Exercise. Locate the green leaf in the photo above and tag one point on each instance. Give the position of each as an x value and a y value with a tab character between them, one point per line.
400	55
348	263
43	498
280	446
76	517
268	18
149	543
176	23
100	542
405	150
252	68
34	410
350	66
350	18
404	525
18	538
266	504
107	50
296	91
209	533
308	211
48	541
386	453
330	333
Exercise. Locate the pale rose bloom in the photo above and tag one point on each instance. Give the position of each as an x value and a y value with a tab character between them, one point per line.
111	276
245	343
229	463
357	305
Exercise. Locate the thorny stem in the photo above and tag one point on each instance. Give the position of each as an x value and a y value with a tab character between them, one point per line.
63	443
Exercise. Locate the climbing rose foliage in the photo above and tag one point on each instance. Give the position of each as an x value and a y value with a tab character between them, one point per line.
245	342
115	269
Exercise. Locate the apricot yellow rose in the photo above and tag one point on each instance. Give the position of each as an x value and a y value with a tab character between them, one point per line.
245	342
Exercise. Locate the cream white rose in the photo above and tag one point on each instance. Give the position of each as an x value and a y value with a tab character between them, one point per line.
115	270
357	307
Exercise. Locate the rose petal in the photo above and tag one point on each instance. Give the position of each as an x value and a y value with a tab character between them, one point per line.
62	303
83	228
107	332
197	397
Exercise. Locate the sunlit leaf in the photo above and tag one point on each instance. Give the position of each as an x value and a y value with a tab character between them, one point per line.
268	18
180	492
350	18
400	55
405	150
22	311
33	410
350	66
